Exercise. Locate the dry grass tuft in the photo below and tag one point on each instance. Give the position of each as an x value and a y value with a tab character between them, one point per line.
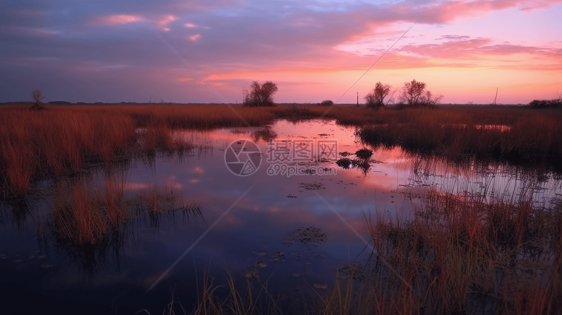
464	255
83	217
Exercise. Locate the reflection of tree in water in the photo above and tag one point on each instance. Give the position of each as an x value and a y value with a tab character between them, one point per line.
307	236
265	134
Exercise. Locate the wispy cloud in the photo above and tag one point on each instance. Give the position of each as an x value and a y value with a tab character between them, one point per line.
117	19
194	37
300	44
165	21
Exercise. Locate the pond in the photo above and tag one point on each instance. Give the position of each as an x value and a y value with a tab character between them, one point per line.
209	217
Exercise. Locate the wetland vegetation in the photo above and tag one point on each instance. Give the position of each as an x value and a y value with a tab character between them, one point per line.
449	249
63	139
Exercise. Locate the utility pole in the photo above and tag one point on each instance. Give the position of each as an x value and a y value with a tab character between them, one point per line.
357	98
496	95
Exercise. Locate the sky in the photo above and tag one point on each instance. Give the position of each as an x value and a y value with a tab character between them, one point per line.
209	51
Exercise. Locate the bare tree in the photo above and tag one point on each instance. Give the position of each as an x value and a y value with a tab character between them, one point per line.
375	99
414	94
37	98
261	95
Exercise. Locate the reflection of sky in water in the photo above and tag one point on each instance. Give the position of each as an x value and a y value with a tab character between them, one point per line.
252	232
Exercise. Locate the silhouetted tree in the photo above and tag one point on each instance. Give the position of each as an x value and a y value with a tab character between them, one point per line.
261	95
37	98
414	95
327	103
375	99
546	103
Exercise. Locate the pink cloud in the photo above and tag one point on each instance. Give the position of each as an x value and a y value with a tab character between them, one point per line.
479	49
449	11
538	5
33	31
194	37
118	19
163	22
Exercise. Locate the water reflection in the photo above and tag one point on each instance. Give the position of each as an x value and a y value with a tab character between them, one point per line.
362	161
266	135
16	211
307	236
142	219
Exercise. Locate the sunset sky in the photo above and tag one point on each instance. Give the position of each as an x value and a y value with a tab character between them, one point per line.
114	51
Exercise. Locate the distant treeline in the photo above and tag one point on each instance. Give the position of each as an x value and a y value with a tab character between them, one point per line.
556	103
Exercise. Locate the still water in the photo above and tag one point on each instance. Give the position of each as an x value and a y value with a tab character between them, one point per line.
293	232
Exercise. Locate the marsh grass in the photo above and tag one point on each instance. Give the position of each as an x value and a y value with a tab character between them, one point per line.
515	135
60	141
85	217
65	139
465	255
53	143
460	254
92	226
252	297
82	216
